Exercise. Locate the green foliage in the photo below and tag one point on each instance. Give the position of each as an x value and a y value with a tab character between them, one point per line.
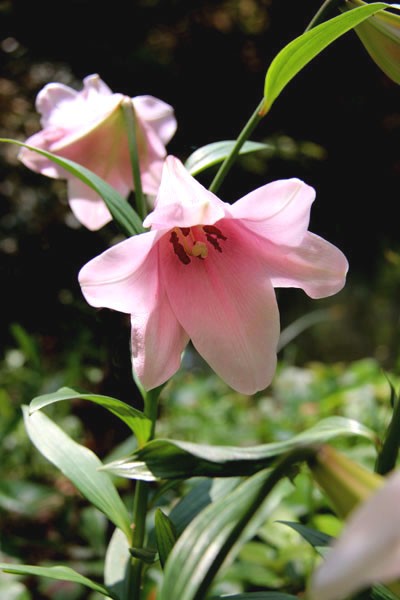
298	53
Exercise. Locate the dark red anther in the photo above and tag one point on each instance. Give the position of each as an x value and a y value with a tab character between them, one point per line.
212	230
214	242
178	248
185	230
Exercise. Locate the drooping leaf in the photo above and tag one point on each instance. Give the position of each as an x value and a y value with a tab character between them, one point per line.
58	572
300	51
317	539
80	465
173	459
122	212
214	153
133	418
165	535
208	539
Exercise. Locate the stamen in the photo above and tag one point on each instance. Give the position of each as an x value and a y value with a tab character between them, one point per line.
200	250
178	248
213	242
212	230
185	230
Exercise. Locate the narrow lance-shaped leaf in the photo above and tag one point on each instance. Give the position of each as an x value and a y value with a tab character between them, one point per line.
80	465
216	152
169	459
298	53
58	572
122	212
139	424
387	457
165	535
206	542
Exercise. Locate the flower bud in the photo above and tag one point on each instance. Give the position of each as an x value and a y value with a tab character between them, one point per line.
345	482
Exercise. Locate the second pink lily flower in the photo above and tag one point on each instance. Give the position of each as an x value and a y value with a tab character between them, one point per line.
88	127
206	271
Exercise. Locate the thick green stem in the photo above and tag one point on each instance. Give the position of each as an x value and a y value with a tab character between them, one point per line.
140	503
131	129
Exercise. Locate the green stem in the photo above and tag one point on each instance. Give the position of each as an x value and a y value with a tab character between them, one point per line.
323	13
140	503
228	162
131	129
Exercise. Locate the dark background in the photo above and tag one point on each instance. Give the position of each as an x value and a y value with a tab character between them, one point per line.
336	126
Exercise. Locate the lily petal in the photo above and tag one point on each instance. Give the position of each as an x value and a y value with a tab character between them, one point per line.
278	211
157	341
124	277
158	114
368	550
227	306
182	201
316	266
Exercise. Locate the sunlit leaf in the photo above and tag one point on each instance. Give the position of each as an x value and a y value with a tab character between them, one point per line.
300	51
216	152
122	212
173	459
208	539
58	572
133	418
80	465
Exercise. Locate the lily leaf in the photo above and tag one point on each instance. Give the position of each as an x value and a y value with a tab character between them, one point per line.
216	152
122	212
139	424
165	535
174	459
80	465
300	51
206	542
57	572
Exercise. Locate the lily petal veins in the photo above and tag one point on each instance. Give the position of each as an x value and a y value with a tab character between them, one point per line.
206	271
88	127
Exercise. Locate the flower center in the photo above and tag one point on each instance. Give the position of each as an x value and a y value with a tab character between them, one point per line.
194	241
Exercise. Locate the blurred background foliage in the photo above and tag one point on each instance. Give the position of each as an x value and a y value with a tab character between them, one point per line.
336	126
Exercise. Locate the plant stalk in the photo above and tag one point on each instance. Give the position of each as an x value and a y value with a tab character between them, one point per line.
132	133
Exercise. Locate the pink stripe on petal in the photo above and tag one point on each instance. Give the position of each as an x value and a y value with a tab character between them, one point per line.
125	277
227	305
278	211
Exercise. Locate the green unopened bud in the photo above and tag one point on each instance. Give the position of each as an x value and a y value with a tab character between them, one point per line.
380	35
345	482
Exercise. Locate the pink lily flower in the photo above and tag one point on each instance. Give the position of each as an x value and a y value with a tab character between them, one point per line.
88	127
206	271
368	549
